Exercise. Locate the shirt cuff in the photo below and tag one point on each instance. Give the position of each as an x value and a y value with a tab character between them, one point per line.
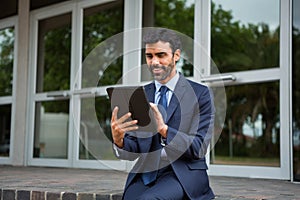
116	149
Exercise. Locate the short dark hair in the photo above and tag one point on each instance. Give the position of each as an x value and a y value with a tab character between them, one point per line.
155	35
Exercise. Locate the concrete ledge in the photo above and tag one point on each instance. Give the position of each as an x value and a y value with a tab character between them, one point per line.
44	183
10	194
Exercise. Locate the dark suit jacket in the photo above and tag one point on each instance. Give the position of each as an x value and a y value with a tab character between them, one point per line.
190	116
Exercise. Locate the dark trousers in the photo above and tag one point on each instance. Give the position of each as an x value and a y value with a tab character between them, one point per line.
166	187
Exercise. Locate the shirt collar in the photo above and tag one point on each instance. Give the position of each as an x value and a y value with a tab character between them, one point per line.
170	84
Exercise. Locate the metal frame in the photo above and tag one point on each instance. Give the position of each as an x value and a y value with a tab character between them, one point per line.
133	17
282	74
288	11
35	16
74	94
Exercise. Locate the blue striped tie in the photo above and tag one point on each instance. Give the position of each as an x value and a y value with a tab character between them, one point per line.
163	97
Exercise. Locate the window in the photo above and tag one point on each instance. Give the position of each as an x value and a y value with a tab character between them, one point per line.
175	15
6	63
53	81
245	45
251	134
99	24
65	116
7	39
245	35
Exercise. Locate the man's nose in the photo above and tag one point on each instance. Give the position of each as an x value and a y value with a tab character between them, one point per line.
155	61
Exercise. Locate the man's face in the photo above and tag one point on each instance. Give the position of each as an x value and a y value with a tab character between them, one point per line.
161	61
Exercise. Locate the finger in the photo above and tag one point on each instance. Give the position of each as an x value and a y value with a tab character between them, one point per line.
154	107
130	128
114	114
124	117
156	112
152	104
129	123
116	130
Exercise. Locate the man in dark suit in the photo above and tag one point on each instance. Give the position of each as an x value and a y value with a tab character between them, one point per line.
170	160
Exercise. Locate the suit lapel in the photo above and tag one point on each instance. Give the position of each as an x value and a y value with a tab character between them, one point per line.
150	91
178	94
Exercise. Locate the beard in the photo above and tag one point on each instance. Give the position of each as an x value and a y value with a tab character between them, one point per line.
165	71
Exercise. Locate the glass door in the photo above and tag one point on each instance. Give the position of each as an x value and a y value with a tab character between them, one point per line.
245	45
70	113
99	68
50	82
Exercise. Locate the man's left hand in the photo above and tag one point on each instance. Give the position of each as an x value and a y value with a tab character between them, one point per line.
162	128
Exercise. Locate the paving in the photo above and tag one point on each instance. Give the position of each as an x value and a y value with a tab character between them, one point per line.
35	183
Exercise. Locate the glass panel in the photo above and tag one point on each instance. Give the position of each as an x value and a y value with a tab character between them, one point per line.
95	135
251	134
54	50
5	125
100	23
171	14
39	4
51	129
296	90
245	34
7	39
111	75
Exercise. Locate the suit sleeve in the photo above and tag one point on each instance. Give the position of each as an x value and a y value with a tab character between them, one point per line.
130	149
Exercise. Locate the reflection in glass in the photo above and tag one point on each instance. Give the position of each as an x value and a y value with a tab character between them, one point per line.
7	38
100	23
95	133
296	90
171	14
245	39
54	52
5	124
251	134
51	129
175	15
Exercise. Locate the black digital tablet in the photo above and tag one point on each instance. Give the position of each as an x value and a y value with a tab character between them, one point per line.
133	99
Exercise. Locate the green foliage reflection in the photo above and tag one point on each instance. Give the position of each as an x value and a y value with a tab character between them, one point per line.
236	47
7	39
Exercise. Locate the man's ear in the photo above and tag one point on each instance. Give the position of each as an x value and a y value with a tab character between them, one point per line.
177	55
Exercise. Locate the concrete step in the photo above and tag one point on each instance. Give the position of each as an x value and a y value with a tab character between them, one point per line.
43	183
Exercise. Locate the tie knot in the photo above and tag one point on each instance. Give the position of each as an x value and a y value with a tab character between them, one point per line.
163	90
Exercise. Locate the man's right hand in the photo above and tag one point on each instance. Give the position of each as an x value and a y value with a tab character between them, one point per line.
120	126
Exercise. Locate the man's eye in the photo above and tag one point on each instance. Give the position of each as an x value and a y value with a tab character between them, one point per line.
161	55
149	56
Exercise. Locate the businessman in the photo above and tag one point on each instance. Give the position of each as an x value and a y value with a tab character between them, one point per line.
170	160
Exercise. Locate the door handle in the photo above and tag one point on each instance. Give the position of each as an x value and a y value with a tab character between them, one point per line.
87	91
214	78
58	94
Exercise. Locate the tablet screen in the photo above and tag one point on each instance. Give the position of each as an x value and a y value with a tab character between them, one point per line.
133	99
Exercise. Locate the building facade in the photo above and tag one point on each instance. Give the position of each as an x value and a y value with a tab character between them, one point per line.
58	57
